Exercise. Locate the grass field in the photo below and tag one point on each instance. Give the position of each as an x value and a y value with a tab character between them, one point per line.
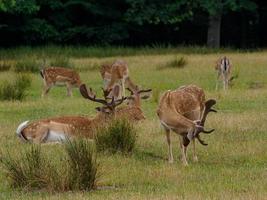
232	166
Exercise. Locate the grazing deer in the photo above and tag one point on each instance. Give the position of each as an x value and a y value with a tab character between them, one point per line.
223	66
58	129
184	112
59	76
117	72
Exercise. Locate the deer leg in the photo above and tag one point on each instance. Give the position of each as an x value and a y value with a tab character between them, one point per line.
69	90
168	137
224	82
194	151
45	90
183	150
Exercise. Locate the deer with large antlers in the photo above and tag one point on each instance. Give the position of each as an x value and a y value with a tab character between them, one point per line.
59	76
184	112
116	74
223	68
58	129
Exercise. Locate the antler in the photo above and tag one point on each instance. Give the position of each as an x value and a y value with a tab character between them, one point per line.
91	96
208	104
85	93
200	124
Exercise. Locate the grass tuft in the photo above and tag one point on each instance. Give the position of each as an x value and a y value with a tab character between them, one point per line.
27	172
119	136
5	66
174	63
82	165
15	89
33	171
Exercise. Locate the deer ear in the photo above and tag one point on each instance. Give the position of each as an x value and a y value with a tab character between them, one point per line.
145	95
116	91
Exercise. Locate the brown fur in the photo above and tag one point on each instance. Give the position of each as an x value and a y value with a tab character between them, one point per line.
178	111
114	73
55	75
79	125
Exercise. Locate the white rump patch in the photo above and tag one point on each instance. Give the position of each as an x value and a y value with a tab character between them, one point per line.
21	127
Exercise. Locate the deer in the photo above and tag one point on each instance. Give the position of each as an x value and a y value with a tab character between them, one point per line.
223	68
114	74
60	129
184	112
59	76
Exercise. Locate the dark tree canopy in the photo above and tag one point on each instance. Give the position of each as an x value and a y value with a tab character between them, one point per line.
238	23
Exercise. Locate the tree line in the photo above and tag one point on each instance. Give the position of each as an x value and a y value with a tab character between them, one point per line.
215	23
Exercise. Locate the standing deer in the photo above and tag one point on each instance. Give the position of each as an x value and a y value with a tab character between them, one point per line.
114	74
184	112
223	67
59	76
58	129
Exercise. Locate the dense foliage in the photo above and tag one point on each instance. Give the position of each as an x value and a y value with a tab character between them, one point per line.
130	22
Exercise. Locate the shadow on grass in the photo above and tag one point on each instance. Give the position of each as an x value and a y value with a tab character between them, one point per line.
143	155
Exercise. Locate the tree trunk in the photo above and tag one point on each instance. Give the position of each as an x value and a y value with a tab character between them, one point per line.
214	31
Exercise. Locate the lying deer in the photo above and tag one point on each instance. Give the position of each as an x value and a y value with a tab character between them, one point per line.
59	76
184	112
223	66
58	129
116	73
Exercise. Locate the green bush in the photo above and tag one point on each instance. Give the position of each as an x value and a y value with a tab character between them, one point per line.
27	172
15	89
82	165
27	65
119	136
34	171
4	66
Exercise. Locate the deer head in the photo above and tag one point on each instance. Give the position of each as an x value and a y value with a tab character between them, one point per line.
137	95
108	107
200	124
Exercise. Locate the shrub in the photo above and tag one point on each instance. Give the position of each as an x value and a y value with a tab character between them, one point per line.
4	66
82	165
27	65
118	136
34	171
15	89
175	63
27	172
61	61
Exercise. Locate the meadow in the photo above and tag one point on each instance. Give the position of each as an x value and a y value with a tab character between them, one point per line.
232	166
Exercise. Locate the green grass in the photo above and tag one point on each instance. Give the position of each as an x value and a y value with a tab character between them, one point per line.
232	166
